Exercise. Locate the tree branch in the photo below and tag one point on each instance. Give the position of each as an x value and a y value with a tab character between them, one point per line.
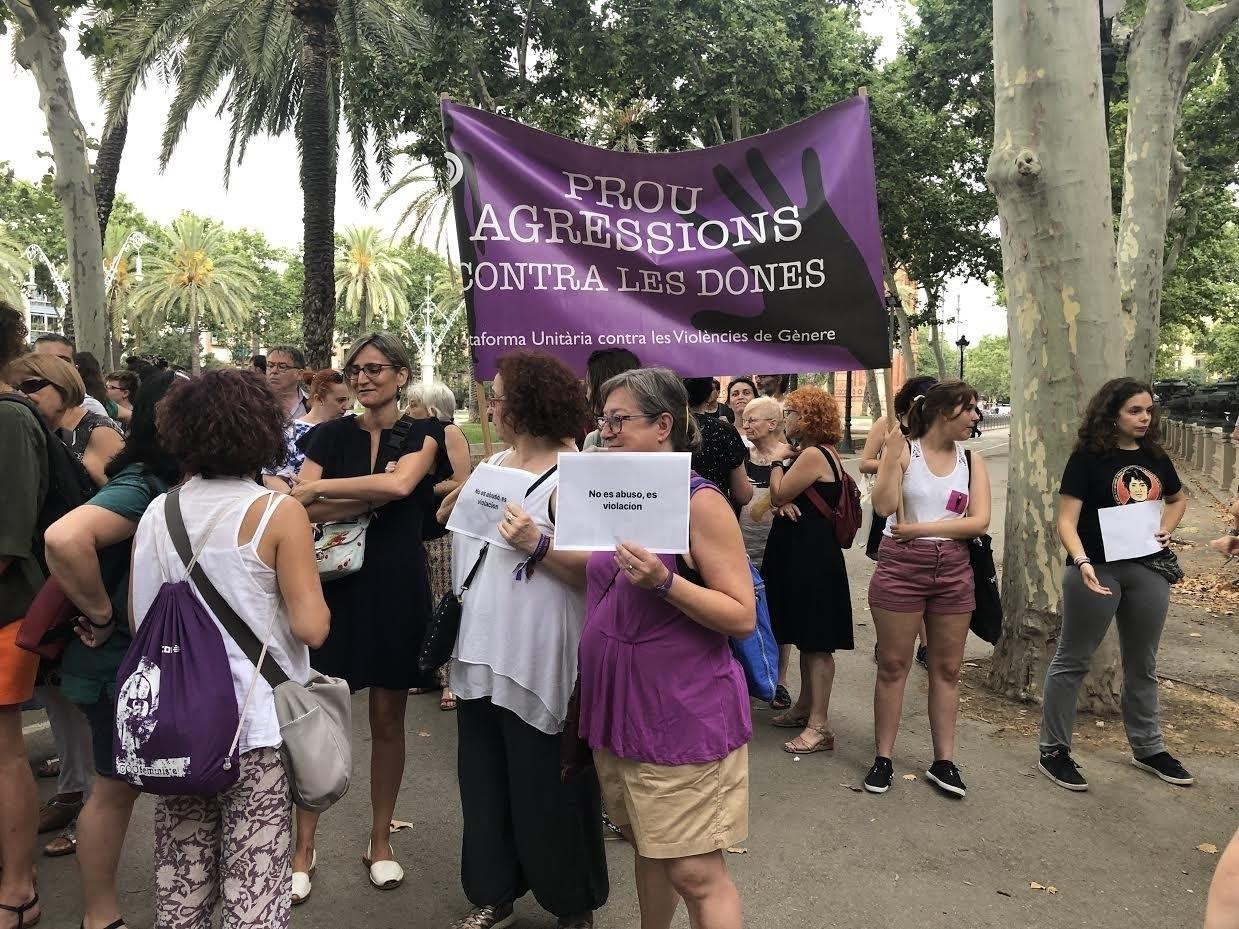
1181	240
1210	23
484	97
522	50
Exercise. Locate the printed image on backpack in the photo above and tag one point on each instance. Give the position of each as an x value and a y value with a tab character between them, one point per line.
137	706
176	711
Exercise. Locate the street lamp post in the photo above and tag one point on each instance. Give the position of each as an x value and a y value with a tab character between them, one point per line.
134	241
963	344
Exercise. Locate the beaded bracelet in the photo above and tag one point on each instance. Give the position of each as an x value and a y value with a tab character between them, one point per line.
524	570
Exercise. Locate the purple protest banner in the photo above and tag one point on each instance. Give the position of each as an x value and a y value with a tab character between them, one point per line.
759	255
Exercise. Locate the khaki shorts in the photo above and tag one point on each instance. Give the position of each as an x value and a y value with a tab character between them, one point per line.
677	810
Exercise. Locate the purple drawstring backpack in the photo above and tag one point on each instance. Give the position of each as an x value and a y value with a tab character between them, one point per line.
176	711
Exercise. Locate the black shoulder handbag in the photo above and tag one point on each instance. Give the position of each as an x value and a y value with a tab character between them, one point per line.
987	616
444	625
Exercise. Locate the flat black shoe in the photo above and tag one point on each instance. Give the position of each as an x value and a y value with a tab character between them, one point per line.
945	776
1167	767
878	780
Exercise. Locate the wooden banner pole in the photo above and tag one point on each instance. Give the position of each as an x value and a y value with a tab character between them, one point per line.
484	415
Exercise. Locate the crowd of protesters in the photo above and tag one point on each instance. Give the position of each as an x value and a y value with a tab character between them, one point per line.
587	688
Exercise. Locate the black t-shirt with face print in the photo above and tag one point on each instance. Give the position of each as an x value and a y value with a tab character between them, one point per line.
1117	478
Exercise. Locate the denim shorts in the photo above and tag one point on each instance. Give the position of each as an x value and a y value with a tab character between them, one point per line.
929	576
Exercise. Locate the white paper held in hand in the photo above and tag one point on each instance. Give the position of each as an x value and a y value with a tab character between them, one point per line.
638	497
1129	531
482	501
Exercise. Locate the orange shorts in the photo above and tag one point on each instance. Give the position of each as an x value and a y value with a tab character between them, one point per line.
17	667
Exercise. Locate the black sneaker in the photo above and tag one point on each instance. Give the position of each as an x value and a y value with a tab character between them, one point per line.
920	656
1167	767
878	780
1062	769
946	776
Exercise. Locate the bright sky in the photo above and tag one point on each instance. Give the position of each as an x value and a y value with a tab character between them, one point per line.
265	193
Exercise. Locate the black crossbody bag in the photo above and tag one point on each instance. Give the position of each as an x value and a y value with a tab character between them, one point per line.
444	626
987	616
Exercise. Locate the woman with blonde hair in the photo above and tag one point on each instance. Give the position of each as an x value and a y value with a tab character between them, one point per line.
57	390
806	578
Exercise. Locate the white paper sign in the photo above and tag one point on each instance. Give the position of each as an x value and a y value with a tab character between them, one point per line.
480	506
1128	531
608	497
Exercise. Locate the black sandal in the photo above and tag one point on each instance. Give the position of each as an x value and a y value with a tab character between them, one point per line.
782	699
21	912
119	924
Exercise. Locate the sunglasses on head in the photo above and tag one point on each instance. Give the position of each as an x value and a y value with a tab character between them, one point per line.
32	385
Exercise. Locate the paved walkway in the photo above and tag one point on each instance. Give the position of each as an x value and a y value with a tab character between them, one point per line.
1122	856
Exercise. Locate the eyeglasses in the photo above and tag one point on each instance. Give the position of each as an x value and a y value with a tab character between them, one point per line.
615	422
494	400
373	369
281	366
32	385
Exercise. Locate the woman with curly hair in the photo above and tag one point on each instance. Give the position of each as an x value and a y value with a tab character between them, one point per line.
380	612
1117	461
935	498
806	578
231	849
513	670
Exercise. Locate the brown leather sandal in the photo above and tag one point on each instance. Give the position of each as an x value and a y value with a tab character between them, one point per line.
798	745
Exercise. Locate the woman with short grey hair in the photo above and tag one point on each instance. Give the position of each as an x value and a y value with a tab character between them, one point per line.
664	704
453	465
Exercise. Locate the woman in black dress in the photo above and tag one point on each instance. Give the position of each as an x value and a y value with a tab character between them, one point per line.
374	463
806	579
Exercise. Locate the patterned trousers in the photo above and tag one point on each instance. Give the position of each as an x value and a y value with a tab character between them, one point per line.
235	846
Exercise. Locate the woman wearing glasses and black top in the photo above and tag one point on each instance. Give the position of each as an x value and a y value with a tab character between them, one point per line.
379	614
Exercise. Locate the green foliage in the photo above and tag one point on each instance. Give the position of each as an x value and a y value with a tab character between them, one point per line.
12	268
372	277
254	51
191	272
987	367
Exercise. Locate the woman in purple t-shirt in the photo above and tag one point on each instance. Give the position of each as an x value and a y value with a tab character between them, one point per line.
664	705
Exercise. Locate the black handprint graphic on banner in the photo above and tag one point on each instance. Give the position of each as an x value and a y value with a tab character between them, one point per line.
847	303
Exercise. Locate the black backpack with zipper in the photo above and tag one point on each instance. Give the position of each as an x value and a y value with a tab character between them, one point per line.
68	483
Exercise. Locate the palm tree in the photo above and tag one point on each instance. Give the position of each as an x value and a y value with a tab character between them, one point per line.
371	275
429	212
190	273
12	264
282	65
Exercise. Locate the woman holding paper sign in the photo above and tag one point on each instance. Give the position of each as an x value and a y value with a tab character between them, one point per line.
527	827
664	705
1117	462
936	497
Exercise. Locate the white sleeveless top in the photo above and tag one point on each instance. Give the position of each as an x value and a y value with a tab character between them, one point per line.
928	498
241	577
518	639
